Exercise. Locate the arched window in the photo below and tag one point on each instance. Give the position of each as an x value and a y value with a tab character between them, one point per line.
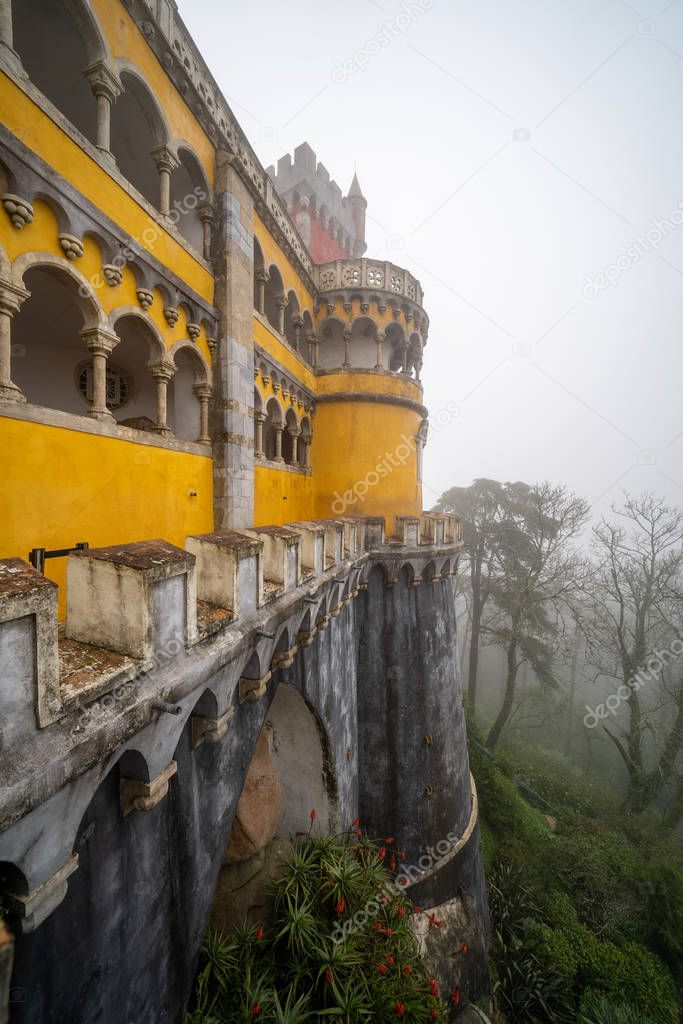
139	138
364	342
189	193
275	300
393	348
49	354
56	41
189	396
272	431
138	347
293	321
332	347
290	439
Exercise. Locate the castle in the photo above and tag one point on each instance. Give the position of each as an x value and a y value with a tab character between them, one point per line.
212	425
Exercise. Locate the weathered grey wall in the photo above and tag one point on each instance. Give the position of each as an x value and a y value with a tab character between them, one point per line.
122	947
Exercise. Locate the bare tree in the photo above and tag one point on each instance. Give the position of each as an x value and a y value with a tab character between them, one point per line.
633	616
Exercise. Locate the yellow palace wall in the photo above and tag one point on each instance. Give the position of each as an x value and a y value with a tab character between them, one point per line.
61	486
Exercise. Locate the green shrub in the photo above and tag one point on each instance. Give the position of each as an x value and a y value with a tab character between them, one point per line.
597	1009
338	946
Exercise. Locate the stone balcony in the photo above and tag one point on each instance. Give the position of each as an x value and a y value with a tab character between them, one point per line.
373	276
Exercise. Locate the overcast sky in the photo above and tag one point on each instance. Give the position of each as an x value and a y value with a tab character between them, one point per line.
511	153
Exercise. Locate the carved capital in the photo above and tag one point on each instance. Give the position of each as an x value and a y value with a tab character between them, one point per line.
171	314
162	370
103	81
113	275
100	342
202	390
193	331
164	159
12	297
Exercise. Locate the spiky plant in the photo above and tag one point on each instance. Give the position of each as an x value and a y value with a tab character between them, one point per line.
338	946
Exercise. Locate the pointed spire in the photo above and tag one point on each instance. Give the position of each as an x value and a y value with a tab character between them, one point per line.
355	189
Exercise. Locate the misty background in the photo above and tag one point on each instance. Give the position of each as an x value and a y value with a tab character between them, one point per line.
507	151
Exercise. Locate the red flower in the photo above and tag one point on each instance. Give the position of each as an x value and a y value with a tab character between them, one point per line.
390	961
393	863
256	1009
259	933
416	909
455	996
399	1009
439	924
435	1014
402	854
382	852
378	926
313	815
382	968
341	906
464	948
400	911
328	976
407	969
356	821
389	839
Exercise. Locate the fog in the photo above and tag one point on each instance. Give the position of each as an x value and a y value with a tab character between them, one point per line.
510	153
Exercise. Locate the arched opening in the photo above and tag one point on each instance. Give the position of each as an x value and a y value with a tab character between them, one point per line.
293	321
274	298
189	191
137	130
394	343
332	346
272	430
414	357
290	775
55	49
138	347
307	335
290	439
364	342
184	402
49	356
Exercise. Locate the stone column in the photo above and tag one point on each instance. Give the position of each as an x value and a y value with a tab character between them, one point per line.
206	215
166	165
162	372
282	303
100	344
259	420
279	429
9	57
106	88
404	358
203	392
379	341
232	403
295	434
262	278
347	348
298	322
11	298
305	444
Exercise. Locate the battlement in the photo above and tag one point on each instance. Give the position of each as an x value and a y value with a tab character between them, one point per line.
330	223
249	598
